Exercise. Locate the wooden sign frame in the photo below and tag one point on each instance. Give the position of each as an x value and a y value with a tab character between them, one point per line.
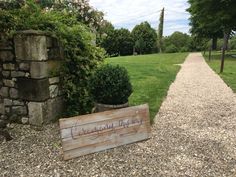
91	133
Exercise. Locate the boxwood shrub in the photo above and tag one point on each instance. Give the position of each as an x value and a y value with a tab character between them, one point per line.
110	85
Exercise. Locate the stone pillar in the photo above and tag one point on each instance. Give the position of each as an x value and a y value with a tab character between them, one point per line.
31	91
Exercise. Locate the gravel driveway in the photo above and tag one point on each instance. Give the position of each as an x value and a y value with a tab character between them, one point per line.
194	135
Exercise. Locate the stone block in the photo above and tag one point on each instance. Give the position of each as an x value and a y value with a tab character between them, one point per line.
19	110
24	66
37	113
30	46
7	110
6	55
7	102
38	70
14	118
5	44
4	92
6	74
56	107
8	83
2	108
13	93
17	103
54	91
9	66
17	74
54	80
33	89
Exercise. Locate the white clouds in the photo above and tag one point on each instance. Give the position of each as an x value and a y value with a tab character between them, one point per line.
128	13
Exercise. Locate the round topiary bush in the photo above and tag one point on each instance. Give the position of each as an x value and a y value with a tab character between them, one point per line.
110	85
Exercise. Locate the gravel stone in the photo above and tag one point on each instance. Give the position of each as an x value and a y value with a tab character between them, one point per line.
24	120
194	135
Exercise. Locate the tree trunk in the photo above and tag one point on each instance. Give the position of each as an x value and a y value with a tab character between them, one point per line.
226	39
214	43
209	53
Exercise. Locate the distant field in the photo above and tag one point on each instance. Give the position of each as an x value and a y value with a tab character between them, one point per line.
229	74
151	76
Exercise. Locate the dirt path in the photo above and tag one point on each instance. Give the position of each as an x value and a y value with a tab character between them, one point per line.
194	135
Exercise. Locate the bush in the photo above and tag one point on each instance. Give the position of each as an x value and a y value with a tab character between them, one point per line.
110	85
184	49
171	49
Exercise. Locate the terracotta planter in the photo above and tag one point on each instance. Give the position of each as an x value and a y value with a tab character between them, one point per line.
106	107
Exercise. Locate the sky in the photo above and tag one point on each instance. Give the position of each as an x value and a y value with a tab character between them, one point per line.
128	13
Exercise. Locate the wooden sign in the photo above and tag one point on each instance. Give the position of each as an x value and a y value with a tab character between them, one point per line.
91	133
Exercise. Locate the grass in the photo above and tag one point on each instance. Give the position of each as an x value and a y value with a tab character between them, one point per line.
151	76
229	74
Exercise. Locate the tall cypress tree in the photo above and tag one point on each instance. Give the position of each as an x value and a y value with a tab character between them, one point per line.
160	30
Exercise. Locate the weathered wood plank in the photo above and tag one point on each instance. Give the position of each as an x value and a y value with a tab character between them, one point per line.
78	129
108	135
104	145
87	134
92	118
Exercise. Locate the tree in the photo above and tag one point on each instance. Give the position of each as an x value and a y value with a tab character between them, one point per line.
118	42
203	30
160	31
110	43
178	41
145	38
125	42
105	29
212	15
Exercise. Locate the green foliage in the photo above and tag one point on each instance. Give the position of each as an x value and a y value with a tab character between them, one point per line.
118	42
177	42
198	44
204	23
171	49
81	55
125	42
145	38
110	85
212	18
104	31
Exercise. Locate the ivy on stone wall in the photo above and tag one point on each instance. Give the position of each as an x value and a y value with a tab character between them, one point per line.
81	56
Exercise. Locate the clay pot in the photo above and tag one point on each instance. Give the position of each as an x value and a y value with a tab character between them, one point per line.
106	107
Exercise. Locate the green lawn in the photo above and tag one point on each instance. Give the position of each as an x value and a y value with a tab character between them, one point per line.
229	74
151	76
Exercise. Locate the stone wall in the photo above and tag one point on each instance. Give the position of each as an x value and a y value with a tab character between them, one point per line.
29	78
